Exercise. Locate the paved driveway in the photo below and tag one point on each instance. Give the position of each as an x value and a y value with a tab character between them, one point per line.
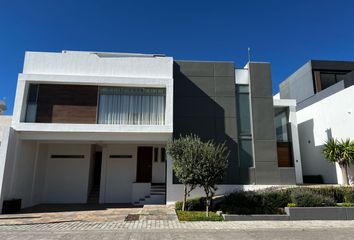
45	214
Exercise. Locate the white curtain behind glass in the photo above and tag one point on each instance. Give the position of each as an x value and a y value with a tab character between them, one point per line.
132	106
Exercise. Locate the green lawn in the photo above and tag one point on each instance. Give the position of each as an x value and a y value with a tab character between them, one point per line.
197	216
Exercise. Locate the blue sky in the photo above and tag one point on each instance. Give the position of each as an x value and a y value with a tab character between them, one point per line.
285	33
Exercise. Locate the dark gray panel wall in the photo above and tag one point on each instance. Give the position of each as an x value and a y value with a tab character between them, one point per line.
264	140
204	104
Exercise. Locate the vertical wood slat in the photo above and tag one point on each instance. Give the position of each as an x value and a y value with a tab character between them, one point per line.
317	75
284	150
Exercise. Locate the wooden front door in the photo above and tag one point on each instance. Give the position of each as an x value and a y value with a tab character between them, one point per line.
284	154
144	165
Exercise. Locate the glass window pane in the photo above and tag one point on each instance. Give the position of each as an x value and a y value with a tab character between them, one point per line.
243	88
327	80
132	106
340	77
31	112
243	110
246	159
32	93
281	126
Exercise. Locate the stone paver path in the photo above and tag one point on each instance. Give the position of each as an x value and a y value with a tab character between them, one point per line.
46	214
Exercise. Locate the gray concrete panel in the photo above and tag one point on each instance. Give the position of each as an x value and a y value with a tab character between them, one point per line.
225	126
194	107
224	69
225	104
260	80
287	176
263	118
203	127
225	86
266	151
191	68
267	173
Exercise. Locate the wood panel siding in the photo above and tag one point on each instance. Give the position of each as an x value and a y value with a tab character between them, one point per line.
317	75
66	104
284	150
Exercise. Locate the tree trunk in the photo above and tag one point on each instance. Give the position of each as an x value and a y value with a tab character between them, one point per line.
345	175
207	205
184	198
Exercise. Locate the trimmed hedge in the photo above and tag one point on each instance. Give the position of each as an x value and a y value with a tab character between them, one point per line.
273	201
305	197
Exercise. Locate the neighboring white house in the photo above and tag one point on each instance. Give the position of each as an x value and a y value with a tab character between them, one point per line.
325	109
91	127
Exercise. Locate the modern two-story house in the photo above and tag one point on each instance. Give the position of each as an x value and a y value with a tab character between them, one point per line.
324	93
91	127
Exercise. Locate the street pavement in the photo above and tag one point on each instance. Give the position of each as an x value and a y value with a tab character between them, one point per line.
165	230
176	234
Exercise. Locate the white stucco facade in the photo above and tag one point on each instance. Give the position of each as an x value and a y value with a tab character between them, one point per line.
330	117
36	164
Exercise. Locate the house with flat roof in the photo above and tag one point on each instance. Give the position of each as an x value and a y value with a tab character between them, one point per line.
91	127
324	94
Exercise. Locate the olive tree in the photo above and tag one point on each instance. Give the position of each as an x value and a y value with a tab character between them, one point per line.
211	168
185	153
341	152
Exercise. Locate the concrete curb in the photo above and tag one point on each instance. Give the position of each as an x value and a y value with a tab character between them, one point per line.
299	213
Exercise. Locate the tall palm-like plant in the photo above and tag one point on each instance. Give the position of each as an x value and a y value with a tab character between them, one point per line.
341	152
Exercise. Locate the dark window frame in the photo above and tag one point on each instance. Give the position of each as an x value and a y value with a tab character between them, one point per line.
325	71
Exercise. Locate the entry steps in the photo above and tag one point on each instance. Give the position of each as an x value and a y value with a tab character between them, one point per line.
157	195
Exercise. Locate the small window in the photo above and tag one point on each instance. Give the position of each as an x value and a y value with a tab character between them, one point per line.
163	155
156	154
67	156
120	156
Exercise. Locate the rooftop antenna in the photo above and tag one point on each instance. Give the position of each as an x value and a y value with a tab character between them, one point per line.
249	54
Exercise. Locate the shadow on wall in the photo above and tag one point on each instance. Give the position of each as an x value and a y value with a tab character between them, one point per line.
201	108
312	159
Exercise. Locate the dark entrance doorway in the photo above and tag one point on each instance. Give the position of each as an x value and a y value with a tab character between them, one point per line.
144	165
95	189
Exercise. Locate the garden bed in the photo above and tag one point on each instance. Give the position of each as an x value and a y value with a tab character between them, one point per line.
198	216
297	203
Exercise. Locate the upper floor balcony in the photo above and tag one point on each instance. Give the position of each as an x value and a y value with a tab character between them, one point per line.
104	93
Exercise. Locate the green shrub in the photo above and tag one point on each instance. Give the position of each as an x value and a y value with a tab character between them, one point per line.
192	204
349	196
337	193
242	203
273	202
305	197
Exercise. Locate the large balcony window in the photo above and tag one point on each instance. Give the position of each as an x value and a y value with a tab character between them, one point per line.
81	104
132	106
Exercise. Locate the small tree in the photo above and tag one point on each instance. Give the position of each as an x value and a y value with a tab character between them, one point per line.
185	153
211	169
341	152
